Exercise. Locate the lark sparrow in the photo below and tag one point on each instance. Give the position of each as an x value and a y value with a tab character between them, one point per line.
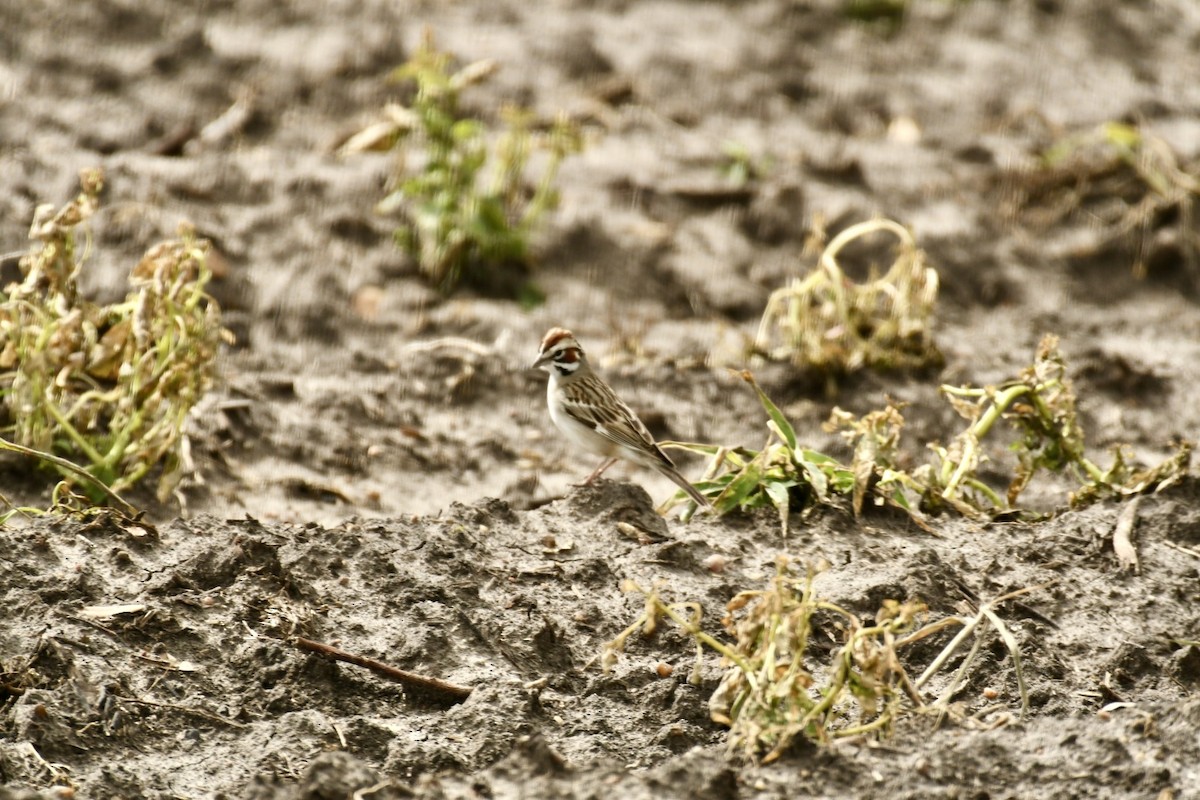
590	415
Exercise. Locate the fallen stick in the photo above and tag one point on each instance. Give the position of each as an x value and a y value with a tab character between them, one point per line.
409	679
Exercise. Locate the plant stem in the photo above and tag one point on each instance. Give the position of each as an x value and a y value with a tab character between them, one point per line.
1000	404
965	463
968	626
986	491
700	636
74	469
74	435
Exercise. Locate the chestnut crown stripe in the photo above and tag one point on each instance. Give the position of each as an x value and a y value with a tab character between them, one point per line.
555	336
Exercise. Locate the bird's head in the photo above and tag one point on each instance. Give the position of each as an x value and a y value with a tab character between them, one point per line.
560	353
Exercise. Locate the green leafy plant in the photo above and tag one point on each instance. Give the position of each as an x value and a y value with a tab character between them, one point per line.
775	689
108	387
740	479
827	323
465	203
888	15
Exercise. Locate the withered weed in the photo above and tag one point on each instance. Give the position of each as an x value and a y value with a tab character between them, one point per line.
777	688
1123	181
827	323
1039	405
108	388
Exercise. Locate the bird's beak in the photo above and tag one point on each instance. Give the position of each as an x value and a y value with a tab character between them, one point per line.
541	361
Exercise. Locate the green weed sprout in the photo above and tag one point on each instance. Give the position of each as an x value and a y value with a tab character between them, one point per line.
466	206
775	690
829	324
107	387
738	478
738	167
1039	405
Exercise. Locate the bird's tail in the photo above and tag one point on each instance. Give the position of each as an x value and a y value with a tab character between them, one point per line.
683	483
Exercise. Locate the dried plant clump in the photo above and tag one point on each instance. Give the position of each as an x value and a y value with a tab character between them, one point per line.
775	689
107	387
1124	182
1039	405
466	208
827	323
771	695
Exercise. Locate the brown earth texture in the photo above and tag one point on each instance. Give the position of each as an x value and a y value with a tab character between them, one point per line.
376	469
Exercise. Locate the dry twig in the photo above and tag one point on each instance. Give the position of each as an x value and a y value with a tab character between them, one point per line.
411	680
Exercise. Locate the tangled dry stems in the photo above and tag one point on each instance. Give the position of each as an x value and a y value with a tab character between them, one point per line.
776	688
1040	407
827	323
1124	181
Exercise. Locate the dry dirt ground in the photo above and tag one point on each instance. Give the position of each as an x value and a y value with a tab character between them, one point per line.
408	501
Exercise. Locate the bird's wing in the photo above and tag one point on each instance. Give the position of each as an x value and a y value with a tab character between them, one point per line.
594	404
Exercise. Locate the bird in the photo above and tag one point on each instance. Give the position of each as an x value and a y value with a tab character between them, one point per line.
588	412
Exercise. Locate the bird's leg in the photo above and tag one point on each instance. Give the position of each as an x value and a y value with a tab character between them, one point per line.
605	464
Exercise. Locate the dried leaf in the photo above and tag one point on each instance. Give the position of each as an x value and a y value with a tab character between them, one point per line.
1123	536
110	611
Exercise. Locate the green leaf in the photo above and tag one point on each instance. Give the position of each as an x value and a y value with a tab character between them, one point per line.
842	481
740	488
1121	135
717	483
839	476
816	457
816	479
779	494
785	427
901	499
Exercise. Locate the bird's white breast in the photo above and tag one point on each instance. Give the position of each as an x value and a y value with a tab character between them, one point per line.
576	432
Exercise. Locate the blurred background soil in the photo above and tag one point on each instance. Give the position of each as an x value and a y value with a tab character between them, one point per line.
376	467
